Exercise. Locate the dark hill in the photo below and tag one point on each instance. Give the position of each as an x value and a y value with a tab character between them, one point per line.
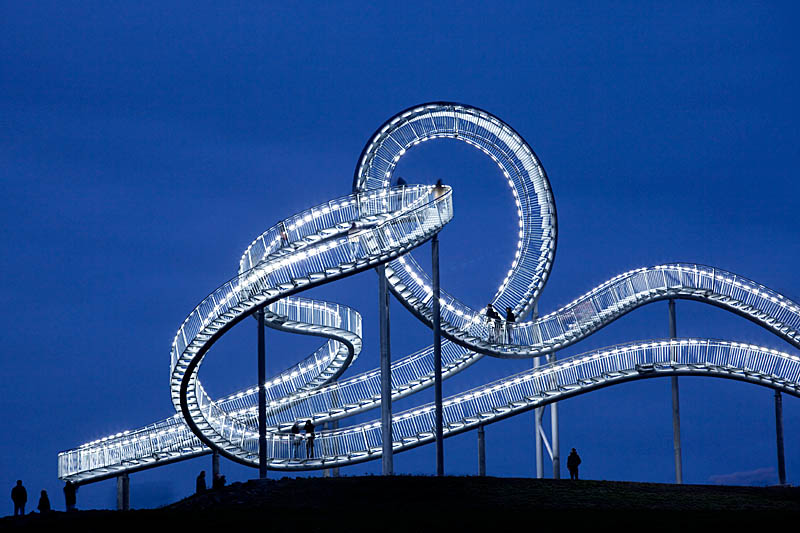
416	503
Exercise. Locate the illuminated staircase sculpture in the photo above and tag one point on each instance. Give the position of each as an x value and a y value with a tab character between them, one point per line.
380	225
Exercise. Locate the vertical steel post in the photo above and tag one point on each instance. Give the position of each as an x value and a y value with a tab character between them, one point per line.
123	492
538	413
554	431
779	435
214	464
262	398
326	472
676	404
386	372
334	425
481	451
437	356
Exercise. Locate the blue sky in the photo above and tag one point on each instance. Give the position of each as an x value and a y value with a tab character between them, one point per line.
145	146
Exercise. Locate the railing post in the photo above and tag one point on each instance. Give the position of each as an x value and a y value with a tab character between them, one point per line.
386	372
262	398
481	451
676	404
123	492
779	435
437	356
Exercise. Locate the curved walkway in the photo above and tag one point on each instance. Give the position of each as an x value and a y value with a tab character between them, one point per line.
379	225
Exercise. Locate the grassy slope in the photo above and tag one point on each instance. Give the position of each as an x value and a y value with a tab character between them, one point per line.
418	503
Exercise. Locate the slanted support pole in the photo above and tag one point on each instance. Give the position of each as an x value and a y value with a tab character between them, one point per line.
676	404
779	434
262	397
386	372
437	357
214	465
123	492
481	451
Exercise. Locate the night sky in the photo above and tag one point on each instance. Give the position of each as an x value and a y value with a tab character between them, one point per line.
142	148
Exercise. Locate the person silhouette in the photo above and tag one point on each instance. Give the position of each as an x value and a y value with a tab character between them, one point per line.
20	497
284	235
438	190
494	323
44	503
200	484
309	429
352	240
295	439
573	461
69	495
510	319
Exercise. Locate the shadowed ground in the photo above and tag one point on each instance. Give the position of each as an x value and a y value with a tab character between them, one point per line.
416	503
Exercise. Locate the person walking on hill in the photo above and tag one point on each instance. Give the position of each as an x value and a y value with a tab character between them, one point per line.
218	482
573	461
20	497
309	429
44	503
200	484
69	495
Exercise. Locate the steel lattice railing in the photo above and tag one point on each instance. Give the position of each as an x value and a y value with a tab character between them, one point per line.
547	384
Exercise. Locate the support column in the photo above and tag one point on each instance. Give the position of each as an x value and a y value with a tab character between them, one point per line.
437	356
556	453
676	404
538	413
334	426
214	464
123	492
326	472
481	451
262	398
386	372
779	434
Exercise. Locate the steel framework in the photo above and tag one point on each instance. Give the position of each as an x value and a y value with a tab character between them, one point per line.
378	225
